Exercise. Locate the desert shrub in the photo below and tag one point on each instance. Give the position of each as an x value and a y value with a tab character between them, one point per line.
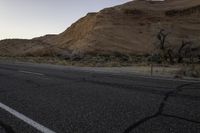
156	58
103	57
121	57
190	71
76	56
64	55
185	50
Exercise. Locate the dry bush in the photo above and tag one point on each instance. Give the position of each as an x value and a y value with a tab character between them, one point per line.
189	71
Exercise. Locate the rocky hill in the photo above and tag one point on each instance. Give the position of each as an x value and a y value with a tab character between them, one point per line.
130	28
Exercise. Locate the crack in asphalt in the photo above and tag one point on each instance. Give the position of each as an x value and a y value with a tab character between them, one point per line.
181	118
187	96
138	88
7	128
160	110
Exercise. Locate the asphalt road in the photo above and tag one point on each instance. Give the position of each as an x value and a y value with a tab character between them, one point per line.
35	98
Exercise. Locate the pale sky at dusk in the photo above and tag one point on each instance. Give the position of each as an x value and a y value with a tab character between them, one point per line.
32	18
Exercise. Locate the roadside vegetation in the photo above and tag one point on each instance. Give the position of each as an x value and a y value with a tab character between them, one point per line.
185	57
186	52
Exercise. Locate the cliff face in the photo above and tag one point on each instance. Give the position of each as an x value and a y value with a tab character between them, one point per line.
130	28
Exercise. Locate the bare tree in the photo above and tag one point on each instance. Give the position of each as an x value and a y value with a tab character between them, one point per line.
188	53
162	36
170	55
181	49
185	50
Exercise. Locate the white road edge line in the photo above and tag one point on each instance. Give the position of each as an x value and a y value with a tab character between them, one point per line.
27	72
27	120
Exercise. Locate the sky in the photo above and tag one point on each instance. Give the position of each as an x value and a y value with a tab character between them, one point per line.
33	18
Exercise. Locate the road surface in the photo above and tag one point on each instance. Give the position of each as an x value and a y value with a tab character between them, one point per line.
55	99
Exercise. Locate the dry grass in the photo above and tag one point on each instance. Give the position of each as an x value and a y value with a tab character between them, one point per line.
116	65
92	62
190	71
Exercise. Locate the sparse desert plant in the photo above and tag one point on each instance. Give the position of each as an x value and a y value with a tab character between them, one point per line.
190	71
162	37
191	53
64	55
170	54
181	50
155	58
76	56
185	52
166	53
121	57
